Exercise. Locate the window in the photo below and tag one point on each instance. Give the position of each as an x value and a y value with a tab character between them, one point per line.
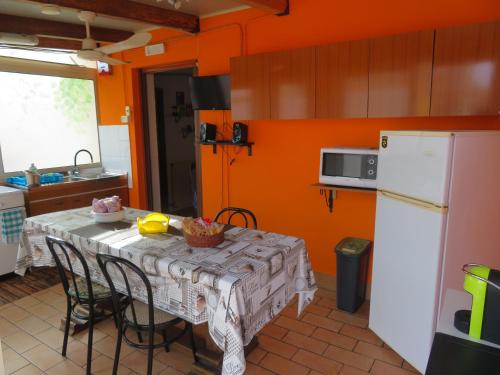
45	119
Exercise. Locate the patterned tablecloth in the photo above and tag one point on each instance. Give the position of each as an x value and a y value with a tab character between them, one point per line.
237	287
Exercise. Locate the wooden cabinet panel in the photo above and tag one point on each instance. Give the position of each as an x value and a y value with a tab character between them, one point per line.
400	75
466	76
49	205
342	80
58	197
293	78
250	87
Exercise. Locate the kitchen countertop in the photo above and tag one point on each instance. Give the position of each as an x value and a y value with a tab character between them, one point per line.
71	180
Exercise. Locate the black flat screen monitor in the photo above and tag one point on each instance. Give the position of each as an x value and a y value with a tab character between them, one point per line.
211	92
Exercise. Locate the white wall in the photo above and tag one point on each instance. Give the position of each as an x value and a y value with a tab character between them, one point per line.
115	149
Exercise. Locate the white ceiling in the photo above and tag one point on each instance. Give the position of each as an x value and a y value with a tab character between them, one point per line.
201	8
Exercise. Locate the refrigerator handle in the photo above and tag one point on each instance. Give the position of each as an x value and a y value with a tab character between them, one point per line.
412	201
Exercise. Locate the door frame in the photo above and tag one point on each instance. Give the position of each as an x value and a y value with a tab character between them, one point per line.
192	64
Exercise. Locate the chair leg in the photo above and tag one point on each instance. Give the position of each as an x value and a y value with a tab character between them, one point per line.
90	341
150	352
66	328
164	334
118	348
193	345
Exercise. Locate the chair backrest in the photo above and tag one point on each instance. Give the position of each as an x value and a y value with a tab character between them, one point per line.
238	211
121	266
72	258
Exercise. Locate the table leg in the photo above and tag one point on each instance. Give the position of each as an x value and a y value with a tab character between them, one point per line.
209	356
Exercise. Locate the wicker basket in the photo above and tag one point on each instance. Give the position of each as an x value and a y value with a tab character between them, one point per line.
204	241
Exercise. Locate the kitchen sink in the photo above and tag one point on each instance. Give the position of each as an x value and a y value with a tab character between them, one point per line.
89	176
73	178
95	176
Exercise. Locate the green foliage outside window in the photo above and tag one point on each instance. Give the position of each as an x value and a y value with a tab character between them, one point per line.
75	98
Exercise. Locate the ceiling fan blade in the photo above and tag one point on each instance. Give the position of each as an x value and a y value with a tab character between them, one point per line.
135	41
111	61
90	55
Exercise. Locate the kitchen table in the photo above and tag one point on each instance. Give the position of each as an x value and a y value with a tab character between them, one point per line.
237	287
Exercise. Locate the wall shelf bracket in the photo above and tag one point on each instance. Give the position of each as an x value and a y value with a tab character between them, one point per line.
329	192
214	145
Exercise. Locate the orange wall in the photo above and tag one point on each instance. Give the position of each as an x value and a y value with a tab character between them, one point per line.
274	182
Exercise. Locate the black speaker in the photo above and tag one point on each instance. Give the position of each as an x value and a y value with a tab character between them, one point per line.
207	132
240	133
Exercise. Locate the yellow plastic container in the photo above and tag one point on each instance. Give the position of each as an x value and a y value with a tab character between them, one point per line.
153	223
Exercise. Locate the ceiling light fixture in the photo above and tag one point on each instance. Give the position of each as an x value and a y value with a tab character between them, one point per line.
18	39
51	10
176	3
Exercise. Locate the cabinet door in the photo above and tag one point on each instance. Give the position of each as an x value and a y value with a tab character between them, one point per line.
342	80
466	77
48	205
400	75
250	87
293	77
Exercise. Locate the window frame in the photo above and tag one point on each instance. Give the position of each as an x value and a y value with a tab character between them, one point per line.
25	66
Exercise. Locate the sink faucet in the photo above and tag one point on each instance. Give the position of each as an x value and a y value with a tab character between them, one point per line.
76	170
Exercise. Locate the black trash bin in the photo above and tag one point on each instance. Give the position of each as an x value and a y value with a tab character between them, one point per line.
353	255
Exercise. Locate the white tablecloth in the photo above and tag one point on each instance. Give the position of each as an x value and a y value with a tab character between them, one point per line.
237	287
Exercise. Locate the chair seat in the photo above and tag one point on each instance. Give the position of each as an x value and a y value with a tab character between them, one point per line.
99	291
142	314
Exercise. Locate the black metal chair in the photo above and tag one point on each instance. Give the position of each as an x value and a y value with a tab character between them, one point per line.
79	290
138	316
238	211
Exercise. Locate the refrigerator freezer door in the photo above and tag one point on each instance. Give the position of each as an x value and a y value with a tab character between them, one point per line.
415	166
406	275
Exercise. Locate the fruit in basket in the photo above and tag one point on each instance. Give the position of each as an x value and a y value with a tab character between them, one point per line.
201	227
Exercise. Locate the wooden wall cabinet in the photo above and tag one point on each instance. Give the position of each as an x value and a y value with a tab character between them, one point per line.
342	80
292	84
250	95
400	75
447	72
466	76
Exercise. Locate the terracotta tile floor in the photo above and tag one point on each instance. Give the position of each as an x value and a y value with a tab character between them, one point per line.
323	341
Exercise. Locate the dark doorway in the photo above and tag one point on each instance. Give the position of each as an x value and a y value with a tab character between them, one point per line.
172	147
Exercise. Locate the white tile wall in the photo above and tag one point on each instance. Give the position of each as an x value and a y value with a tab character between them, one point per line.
115	149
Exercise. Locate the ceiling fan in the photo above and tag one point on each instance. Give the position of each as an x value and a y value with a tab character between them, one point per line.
91	52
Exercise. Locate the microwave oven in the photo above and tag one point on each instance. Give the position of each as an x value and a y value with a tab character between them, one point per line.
355	167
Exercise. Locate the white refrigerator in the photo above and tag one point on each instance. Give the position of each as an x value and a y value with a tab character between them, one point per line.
438	207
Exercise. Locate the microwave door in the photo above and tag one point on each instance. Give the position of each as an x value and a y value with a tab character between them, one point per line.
348	169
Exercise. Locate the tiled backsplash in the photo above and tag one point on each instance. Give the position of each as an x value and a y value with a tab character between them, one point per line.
115	149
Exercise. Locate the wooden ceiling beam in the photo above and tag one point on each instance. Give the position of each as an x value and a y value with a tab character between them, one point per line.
134	11
273	6
62	44
35	26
